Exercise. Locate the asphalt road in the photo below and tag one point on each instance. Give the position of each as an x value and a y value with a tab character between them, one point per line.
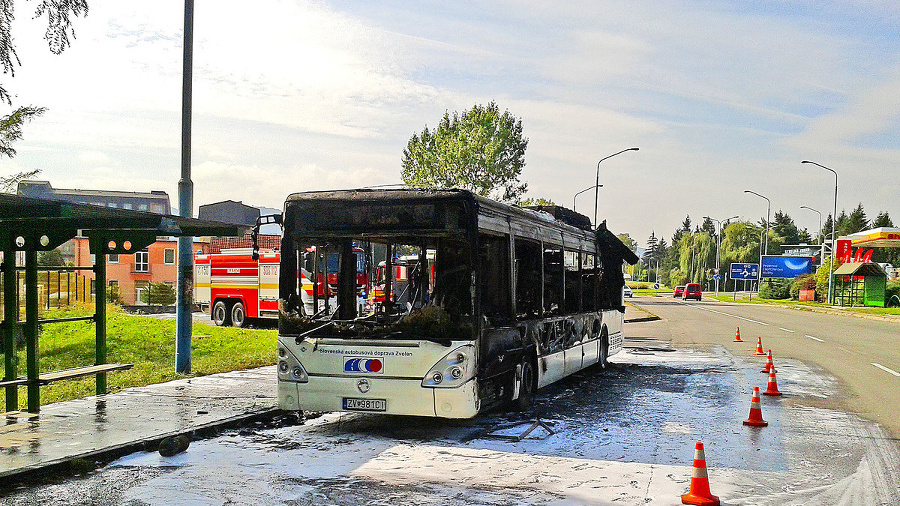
863	354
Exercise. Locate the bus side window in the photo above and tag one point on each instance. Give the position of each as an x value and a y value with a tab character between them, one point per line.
528	278
493	261
553	281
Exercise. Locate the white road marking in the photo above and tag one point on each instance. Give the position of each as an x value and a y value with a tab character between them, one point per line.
885	369
815	338
786	330
726	314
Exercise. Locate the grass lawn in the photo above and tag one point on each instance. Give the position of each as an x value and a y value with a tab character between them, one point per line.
146	342
743	297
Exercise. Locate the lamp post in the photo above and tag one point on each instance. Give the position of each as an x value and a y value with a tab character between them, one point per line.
597	184
833	220
591	187
718	243
768	211
819	234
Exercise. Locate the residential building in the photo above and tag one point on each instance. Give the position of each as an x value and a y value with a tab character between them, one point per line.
156	201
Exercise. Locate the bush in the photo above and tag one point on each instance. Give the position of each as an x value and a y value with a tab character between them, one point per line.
892	290
113	295
802	282
159	294
775	289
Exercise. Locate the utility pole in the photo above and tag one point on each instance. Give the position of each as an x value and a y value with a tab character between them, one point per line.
185	281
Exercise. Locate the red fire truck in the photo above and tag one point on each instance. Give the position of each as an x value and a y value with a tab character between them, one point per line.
234	287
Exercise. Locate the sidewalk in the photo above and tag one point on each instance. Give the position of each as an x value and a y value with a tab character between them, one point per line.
105	427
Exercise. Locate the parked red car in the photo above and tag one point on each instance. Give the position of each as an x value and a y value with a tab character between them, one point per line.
679	291
693	291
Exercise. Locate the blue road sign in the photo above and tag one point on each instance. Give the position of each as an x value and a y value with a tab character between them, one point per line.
744	271
717	277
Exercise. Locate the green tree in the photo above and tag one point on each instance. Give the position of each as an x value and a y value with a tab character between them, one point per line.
52	258
479	149
58	35
628	241
531	202
10	132
856	222
785	227
882	220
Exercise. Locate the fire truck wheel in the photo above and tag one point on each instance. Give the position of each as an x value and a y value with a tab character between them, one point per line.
220	314
238	317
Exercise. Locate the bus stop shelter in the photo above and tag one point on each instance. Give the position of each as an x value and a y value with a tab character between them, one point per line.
860	284
29	225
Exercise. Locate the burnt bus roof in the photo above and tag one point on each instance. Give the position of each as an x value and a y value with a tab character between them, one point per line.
374	212
425	212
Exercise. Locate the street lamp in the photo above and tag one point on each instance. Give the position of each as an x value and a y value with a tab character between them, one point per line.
591	187
833	219
597	185
819	233
718	243
768	210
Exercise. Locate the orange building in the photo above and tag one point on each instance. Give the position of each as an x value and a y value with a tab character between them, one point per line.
131	274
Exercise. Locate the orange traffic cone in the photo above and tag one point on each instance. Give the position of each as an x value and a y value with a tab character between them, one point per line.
772	389
737	336
756	419
769	365
699	493
759	350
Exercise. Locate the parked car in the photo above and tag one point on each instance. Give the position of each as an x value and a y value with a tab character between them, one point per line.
627	291
693	291
679	291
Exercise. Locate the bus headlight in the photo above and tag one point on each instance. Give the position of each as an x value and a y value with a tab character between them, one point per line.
454	369
289	368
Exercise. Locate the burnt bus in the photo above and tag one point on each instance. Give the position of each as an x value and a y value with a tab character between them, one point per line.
498	301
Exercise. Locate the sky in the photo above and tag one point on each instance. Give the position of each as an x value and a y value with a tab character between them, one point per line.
290	96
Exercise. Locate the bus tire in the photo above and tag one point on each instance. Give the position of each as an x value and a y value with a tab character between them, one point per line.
238	315
527	388
603	361
220	314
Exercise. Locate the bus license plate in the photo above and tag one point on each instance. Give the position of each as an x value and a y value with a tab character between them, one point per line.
365	404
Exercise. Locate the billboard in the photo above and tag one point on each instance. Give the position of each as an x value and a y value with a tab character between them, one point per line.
785	266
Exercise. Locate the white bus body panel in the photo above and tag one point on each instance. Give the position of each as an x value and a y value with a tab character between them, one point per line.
403	365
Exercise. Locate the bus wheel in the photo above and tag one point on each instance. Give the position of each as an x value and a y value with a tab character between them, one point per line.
220	314
238	317
526	389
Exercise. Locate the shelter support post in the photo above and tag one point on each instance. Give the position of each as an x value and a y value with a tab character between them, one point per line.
100	317
31	331
10	316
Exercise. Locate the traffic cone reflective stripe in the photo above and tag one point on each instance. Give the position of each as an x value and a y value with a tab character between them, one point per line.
769	365
772	389
699	493
759	350
756	419
737	336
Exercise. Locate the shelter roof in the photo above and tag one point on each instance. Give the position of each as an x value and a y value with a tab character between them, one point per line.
860	269
18	212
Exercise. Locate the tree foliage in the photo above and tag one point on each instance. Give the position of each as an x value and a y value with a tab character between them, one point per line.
10	132
479	149
59	33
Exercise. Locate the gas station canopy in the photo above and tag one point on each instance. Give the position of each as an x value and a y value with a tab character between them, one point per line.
882	237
